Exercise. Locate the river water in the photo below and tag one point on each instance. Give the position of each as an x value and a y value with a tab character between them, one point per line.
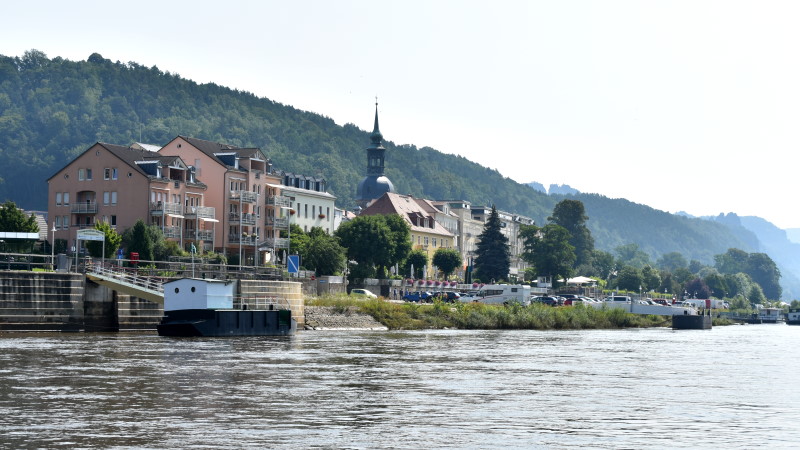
731	387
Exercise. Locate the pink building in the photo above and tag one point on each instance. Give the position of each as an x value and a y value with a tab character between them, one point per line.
215	195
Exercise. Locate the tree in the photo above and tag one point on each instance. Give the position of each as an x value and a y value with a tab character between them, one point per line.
651	279
417	258
697	288
732	261
763	270
13	219
672	261
324	254
140	241
717	284
630	279
571	215
447	260
629	254
376	240
492	255
548	250
112	242
400	238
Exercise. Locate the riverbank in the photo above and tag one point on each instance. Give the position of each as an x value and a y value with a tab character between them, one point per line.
342	312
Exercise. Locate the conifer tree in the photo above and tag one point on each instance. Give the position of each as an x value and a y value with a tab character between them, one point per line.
492	256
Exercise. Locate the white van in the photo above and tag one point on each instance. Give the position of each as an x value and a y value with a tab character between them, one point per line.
500	294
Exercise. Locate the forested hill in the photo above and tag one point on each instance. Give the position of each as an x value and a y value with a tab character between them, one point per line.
52	109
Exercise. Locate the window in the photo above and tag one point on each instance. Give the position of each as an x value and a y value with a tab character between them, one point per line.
57	223
114	221
106	173
114	173
65	221
114	198
89	174
58	198
66	198
106	197
306	211
426	240
313	210
81	175
434	242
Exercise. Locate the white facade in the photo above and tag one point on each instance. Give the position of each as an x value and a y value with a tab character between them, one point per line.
312	208
193	293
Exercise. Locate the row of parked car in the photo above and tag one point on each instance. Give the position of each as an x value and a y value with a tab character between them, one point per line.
429	297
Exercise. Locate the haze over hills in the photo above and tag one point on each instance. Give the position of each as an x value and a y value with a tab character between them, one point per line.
51	109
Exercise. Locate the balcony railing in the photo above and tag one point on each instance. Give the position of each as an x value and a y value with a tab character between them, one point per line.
279	200
244	219
278	222
161	208
200	212
172	232
243	196
83	208
204	235
274	243
244	240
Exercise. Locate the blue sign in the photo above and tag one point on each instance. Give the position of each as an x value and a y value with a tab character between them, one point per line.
119	253
293	263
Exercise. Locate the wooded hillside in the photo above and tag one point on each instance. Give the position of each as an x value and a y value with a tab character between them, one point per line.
51	109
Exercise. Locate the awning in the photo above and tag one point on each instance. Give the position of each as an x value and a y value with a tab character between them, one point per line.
176	216
210	220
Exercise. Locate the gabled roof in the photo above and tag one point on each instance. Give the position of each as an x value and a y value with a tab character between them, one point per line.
213	148
128	155
407	207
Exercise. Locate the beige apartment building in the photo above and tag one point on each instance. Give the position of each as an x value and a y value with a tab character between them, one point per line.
426	233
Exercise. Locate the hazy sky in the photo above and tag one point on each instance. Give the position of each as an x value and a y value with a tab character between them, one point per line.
679	105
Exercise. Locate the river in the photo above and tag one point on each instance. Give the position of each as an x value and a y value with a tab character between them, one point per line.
730	387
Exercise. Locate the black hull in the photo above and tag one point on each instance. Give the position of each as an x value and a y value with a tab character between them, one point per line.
693	322
793	322
227	322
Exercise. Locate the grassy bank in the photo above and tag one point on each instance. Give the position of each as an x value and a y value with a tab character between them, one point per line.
413	316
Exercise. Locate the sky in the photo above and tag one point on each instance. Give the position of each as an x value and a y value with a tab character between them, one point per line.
679	105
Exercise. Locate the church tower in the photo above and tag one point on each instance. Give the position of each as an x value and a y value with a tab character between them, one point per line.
375	184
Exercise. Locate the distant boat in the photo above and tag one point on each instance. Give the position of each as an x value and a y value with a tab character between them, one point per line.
199	307
793	317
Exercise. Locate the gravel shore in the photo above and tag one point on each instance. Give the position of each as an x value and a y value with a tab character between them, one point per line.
333	318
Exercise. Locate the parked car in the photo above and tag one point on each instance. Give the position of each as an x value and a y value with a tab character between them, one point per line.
363	292
546	300
419	296
448	297
570	299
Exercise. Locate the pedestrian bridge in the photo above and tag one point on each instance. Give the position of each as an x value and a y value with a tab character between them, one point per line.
127	281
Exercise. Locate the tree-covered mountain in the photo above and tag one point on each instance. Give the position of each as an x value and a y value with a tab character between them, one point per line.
52	109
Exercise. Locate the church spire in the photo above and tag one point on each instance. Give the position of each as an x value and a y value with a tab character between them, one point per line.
376	137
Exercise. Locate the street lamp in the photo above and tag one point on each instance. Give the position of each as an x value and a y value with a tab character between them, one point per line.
289	232
53	247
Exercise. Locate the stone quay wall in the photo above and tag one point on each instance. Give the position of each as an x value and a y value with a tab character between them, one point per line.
41	301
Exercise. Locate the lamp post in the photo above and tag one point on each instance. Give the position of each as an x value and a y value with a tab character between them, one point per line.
53	247
289	231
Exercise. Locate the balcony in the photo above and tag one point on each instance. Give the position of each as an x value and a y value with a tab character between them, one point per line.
200	212
271	243
244	240
278	222
204	235
162	208
278	201
172	232
244	219
243	196
83	208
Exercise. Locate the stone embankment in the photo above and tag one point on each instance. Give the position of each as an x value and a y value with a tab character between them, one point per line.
335	318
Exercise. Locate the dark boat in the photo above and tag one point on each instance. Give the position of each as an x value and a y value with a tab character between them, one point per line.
691	322
199	307
793	317
227	322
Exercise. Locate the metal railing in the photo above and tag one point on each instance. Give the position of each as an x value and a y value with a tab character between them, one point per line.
254	302
204	235
127	276
243	196
165	208
201	212
245	240
275	243
172	232
278	200
83	208
278	222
